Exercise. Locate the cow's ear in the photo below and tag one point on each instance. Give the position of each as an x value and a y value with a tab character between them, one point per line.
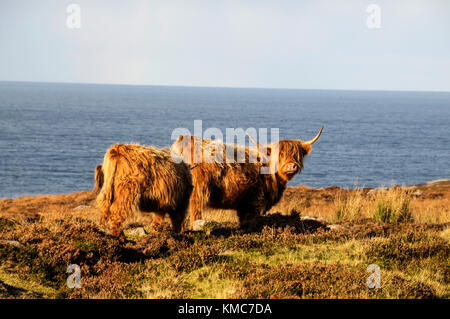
306	148
265	153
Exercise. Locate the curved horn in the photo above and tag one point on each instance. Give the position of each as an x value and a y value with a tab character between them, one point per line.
310	142
253	140
258	147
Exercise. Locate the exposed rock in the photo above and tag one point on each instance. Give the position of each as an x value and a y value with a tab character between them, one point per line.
417	193
198	224
336	227
82	207
318	219
11	242
323	220
437	182
206	225
139	232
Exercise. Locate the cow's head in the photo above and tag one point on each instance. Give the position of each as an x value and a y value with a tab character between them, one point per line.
290	156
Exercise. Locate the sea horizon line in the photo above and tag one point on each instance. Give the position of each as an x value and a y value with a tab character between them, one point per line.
226	87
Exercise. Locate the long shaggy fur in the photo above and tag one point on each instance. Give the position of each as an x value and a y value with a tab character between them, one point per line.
98	179
143	178
239	186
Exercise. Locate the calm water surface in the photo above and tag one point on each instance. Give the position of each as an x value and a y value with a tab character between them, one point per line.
53	135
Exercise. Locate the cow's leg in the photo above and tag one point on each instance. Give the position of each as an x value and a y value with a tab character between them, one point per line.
177	219
179	212
117	218
246	213
158	220
105	215
199	199
104	204
125	204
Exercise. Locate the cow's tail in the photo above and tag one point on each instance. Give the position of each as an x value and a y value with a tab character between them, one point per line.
109	168
99	178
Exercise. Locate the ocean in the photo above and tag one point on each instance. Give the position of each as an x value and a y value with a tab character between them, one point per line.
52	135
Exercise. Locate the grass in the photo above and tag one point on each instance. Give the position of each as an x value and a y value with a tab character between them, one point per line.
349	207
280	256
25	288
392	205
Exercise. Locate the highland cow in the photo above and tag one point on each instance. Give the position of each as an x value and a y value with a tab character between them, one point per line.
240	185
98	179
143	178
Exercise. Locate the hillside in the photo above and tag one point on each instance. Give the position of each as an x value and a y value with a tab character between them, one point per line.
316	243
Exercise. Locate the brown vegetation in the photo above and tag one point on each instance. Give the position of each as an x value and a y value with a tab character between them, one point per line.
282	254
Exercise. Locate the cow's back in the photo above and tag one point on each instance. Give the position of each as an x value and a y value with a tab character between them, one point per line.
160	181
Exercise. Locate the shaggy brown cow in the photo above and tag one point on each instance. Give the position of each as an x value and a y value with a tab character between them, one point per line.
240	186
98	178
143	178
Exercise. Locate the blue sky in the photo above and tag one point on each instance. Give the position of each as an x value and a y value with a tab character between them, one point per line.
313	44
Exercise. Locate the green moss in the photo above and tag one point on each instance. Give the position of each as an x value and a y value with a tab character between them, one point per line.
86	246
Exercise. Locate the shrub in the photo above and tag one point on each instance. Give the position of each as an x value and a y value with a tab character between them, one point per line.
196	256
392	205
405	249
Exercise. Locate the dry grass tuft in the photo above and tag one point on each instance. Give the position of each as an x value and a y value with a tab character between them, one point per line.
392	205
389	205
349	207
